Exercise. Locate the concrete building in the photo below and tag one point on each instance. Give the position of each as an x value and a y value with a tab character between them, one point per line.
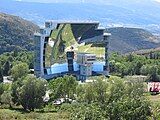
40	40
85	62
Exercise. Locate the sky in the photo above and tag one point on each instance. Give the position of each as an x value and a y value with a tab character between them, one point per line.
74	1
157	0
50	1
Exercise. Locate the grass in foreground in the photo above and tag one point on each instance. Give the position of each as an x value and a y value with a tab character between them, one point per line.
7	114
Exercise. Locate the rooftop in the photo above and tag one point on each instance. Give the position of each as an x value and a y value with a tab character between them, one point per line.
73	21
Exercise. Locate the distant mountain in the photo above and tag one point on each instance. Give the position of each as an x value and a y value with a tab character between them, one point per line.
111	13
124	40
15	33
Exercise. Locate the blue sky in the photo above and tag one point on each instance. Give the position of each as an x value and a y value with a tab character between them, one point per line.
46	1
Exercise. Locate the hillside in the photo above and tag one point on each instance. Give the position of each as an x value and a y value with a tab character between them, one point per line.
15	33
125	40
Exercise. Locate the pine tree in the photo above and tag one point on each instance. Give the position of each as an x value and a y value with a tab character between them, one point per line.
154	75
6	68
1	76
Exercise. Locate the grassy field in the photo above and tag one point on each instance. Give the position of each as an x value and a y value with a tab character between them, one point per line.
7	114
155	105
155	99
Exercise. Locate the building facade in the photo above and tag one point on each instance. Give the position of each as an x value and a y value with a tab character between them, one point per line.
41	40
85	62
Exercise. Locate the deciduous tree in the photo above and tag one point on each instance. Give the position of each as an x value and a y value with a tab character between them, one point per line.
30	93
63	87
20	70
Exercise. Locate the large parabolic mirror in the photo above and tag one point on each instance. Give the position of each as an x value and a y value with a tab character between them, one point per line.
79	37
55	41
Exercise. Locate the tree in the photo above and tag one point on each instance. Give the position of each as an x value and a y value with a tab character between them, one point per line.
20	70
63	87
127	101
114	99
1	76
30	93
14	91
112	66
6	68
89	94
93	92
154	77
130	58
6	98
145	70
137	68
3	88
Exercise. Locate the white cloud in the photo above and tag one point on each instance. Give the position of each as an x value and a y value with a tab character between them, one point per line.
157	0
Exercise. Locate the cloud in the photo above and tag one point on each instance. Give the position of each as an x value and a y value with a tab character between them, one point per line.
157	1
